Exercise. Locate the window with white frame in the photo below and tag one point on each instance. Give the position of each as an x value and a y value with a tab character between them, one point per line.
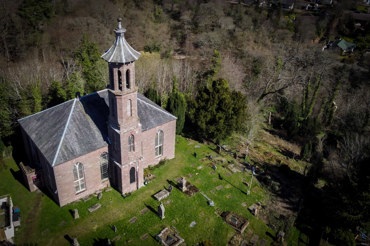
79	177
159	143
131	143
104	166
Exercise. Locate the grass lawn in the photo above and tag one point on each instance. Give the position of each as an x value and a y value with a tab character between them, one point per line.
45	223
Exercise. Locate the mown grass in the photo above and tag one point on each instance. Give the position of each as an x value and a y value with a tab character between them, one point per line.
48	224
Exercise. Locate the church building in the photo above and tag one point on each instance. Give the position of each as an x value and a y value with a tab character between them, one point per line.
102	139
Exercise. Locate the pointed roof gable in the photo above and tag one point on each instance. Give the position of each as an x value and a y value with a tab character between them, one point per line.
121	51
78	127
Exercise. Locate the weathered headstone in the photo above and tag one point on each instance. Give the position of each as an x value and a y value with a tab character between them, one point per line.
170	188
193	223
100	195
280	236
114	228
214	167
75	213
161	211
183	185
75	242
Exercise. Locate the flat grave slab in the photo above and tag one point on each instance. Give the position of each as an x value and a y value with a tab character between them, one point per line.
133	220
161	195
94	207
220	187
116	238
144	211
145	236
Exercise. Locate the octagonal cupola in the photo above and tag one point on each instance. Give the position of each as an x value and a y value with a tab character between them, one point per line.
121	57
121	51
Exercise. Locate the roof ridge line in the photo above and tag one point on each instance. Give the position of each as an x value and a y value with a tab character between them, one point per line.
160	108
44	110
64	133
95	92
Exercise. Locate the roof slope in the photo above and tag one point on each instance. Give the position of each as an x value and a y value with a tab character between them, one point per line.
78	127
46	128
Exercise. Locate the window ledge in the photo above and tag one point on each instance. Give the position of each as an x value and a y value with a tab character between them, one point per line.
79	192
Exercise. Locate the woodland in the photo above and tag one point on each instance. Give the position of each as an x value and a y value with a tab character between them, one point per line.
223	68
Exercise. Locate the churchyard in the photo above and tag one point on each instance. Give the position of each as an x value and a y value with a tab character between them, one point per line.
222	179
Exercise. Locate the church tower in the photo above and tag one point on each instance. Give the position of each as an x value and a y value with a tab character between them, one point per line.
124	128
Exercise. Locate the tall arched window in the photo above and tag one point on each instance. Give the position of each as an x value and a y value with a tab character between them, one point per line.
128	85
119	80
131	143
129	108
159	143
132	175
104	166
79	177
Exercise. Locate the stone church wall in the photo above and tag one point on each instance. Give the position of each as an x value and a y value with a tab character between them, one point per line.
148	148
65	179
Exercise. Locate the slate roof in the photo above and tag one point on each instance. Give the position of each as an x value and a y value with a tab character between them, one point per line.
79	126
121	51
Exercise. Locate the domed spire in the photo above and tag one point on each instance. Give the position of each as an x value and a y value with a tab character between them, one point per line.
121	51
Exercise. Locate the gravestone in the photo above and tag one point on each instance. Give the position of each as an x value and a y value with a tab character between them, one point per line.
75	242
75	213
161	195
280	236
100	195
94	207
170	188
114	228
214	167
183	185
161	211
193	223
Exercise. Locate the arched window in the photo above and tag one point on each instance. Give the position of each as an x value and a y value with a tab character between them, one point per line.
159	143
79	177
131	143
129	108
104	166
128	79
119	80
132	175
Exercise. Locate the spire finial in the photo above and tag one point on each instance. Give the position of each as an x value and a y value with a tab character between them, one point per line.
119	22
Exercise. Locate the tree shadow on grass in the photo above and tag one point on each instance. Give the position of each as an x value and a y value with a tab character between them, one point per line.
102	242
222	178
